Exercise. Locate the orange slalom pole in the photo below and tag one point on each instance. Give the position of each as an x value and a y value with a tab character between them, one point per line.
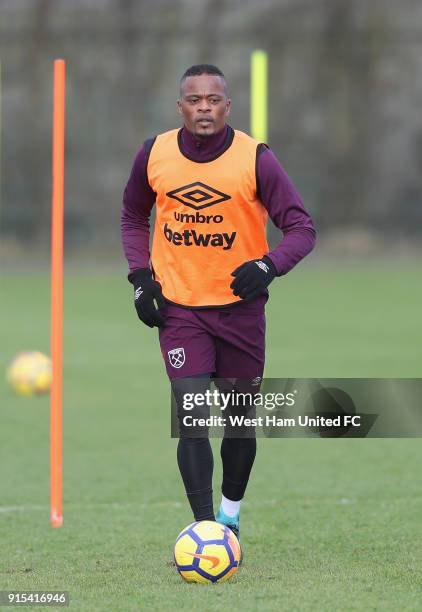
57	216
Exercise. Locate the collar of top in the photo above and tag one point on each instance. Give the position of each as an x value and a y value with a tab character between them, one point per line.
206	148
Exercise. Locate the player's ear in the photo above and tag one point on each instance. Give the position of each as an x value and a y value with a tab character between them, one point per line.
228	106
179	107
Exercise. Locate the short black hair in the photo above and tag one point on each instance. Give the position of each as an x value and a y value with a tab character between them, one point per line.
199	69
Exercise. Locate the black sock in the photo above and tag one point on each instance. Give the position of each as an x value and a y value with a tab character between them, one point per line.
238	456
194	453
196	463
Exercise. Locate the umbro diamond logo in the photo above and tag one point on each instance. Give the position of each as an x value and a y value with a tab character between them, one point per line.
198	195
138	293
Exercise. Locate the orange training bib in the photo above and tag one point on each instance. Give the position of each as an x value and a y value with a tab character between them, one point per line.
208	220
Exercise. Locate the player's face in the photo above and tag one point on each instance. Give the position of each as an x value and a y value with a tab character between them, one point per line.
204	104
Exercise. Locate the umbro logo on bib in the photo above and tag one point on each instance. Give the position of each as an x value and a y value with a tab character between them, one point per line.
198	195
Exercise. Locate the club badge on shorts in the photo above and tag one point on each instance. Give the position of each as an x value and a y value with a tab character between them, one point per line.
177	357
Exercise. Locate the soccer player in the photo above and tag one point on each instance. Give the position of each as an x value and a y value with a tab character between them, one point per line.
204	285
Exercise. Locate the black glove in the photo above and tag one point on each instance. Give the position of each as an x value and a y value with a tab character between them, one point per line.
146	291
253	277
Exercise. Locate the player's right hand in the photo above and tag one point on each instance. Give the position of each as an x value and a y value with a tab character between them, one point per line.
146	291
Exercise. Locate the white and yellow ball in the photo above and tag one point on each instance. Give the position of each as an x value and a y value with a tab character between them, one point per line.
30	373
206	552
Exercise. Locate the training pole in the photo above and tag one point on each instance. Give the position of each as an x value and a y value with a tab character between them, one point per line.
56	513
259	87
1	184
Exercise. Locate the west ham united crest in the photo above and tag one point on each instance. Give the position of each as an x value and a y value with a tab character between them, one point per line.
177	357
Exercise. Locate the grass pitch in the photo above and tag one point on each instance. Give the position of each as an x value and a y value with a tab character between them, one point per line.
326	524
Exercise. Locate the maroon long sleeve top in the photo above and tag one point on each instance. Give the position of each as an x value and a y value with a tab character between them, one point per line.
276	192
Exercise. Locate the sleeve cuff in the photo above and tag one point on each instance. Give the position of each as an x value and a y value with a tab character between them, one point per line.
270	259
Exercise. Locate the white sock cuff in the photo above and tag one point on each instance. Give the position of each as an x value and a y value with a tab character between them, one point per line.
230	508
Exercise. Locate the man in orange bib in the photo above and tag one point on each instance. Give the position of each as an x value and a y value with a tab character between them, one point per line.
204	284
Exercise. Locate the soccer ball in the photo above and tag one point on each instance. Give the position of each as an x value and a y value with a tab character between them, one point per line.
30	373
206	552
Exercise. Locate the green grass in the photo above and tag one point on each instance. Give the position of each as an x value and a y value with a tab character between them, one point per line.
326	524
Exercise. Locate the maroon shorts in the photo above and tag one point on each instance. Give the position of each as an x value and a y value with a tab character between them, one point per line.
226	342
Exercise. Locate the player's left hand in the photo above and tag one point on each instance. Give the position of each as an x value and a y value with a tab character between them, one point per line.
253	277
